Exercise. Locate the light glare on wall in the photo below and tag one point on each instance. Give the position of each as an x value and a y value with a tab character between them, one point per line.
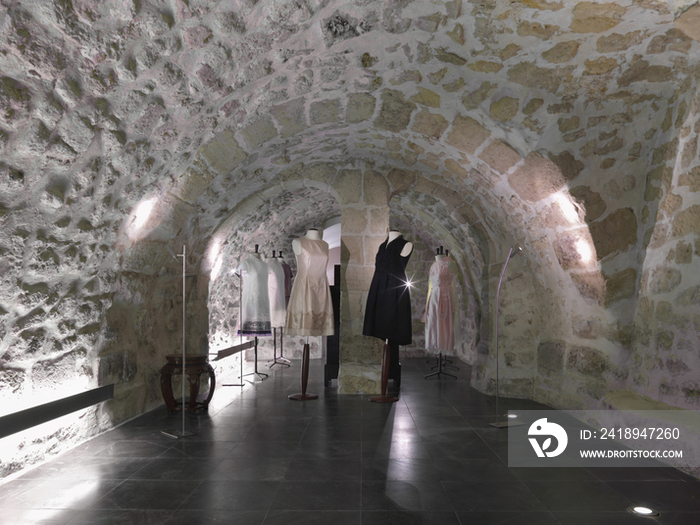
584	250
217	268
143	212
568	208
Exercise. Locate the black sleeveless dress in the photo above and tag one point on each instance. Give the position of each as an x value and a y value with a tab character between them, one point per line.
388	310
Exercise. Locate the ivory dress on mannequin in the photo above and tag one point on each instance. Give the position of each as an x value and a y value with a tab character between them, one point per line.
275	288
388	311
441	311
255	310
310	310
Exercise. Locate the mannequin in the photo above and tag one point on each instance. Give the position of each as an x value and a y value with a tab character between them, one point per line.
313	234
388	310
407	249
442	332
255	310
287	278
310	310
275	285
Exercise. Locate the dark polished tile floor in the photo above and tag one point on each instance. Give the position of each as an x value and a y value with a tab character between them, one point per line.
258	458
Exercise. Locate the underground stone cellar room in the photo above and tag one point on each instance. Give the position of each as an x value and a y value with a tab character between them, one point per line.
549	148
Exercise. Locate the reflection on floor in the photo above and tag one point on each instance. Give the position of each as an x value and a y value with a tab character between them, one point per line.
257	458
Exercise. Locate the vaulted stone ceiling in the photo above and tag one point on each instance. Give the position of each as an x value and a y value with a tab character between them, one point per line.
564	126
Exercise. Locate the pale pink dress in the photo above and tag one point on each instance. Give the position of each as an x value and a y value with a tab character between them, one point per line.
440	308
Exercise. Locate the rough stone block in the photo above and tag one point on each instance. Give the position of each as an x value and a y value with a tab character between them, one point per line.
467	134
324	111
590	17
360	107
536	179
550	356
689	297
689	22
574	249
590	285
352	250
587	360
504	109
259	132
354	221
379	221
591	201
426	97
687	221
401	180
430	124
348	184
499	155
664	280
395	113
223	153
291	117
375	189
615	233
562	52
620	285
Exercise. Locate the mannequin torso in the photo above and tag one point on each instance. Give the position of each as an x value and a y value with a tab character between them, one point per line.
313	234
407	249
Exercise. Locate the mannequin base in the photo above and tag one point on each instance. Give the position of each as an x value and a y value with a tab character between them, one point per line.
302	397
384	399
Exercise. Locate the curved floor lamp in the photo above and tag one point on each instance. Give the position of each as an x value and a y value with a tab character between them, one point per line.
516	250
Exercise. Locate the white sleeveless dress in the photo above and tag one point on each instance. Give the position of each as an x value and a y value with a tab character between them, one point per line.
255	310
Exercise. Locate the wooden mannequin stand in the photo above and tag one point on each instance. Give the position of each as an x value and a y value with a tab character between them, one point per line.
385	378
304	378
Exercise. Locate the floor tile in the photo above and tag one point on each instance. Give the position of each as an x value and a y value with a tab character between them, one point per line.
510	517
404	496
581	495
114	517
147	494
318	495
308	517
232	495
491	496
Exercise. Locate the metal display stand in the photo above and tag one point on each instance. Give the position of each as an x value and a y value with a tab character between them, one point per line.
511	253
304	377
277	360
442	363
182	433
386	362
255	370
